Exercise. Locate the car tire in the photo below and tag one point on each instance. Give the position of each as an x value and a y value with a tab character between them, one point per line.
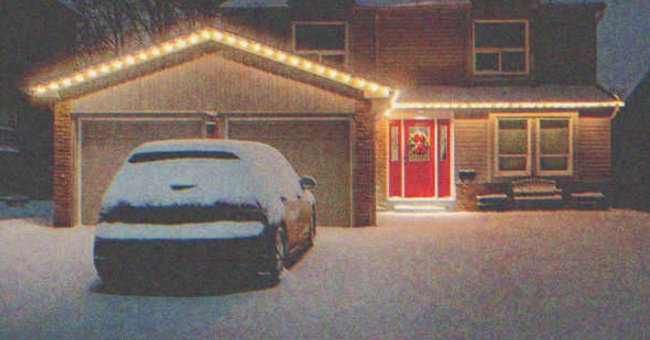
279	256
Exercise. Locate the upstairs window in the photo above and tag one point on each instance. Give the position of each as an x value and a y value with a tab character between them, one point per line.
501	47
323	42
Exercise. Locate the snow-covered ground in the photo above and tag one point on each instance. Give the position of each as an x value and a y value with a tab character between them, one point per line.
553	274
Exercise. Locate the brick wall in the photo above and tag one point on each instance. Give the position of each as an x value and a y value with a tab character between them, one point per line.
362	42
381	156
423	46
62	185
363	173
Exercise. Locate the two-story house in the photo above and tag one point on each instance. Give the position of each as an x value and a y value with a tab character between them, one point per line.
429	103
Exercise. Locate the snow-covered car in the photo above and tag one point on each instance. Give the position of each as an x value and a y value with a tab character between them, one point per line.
203	206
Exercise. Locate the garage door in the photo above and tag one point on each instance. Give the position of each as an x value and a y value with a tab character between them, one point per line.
105	144
319	148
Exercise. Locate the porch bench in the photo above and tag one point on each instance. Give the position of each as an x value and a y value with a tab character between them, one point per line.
536	193
491	201
592	199
535	187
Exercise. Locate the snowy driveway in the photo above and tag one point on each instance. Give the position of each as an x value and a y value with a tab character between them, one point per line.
491	275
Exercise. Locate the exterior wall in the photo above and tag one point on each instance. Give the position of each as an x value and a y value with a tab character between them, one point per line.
362	42
593	147
381	163
562	41
432	44
423	46
214	84
363	165
472	147
564	44
472	138
63	182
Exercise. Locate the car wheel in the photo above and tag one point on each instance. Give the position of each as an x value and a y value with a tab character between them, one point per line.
280	255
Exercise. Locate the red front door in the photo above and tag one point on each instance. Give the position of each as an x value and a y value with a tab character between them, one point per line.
419	158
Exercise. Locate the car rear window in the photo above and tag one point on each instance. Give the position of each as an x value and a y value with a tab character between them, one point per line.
158	156
180	214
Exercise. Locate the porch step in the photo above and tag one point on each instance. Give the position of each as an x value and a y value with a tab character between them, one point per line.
420	205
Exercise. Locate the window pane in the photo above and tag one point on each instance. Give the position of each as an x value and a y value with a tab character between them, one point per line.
443	143
320	37
554	163
513	61
487	61
394	143
554	136
513	137
512	163
174	155
500	34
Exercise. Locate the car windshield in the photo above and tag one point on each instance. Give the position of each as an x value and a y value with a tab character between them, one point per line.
182	214
159	156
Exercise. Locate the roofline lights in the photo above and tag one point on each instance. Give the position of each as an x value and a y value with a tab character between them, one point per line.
211	34
508	105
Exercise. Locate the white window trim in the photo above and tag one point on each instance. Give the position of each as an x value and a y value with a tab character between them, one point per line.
538	155
533	119
525	49
321	53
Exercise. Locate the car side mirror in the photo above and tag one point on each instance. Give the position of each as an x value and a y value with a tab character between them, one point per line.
308	182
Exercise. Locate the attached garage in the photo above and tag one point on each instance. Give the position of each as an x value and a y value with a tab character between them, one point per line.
105	143
322	120
319	148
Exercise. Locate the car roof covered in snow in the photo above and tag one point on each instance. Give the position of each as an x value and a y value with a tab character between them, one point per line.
260	176
238	147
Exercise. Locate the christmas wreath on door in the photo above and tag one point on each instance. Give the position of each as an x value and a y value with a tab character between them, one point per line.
418	143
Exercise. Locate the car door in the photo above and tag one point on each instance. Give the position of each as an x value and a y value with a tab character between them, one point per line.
292	201
291	194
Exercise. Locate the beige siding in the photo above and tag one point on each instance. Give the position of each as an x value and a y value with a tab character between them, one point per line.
214	84
471	147
423	46
593	150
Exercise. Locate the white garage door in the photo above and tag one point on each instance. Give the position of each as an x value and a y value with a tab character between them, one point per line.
106	143
319	148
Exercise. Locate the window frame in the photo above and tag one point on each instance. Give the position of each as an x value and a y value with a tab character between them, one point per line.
529	151
533	160
321	53
538	154
500	50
